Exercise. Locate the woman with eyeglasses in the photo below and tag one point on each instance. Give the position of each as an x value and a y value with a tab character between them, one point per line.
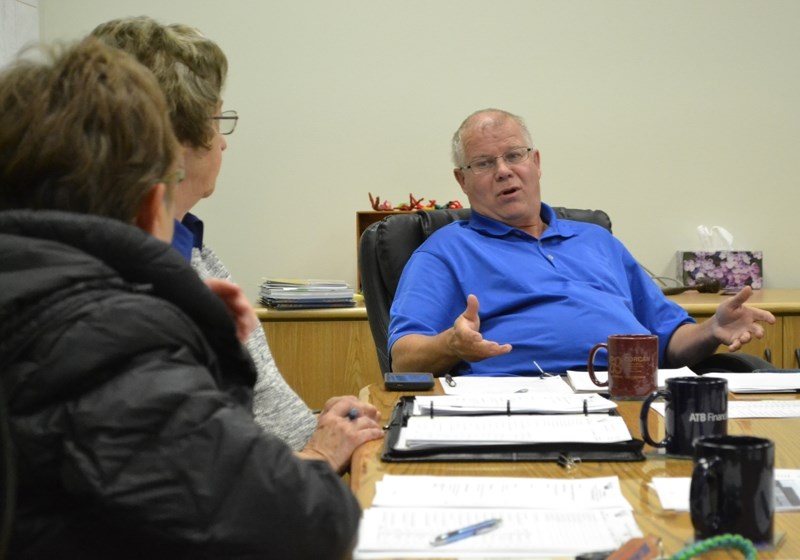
192	70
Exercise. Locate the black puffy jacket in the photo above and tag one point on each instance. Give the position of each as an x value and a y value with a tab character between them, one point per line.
129	400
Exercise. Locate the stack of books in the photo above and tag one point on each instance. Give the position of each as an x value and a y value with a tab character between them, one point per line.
282	293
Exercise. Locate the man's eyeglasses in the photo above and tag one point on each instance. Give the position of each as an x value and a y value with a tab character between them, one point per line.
226	121
486	164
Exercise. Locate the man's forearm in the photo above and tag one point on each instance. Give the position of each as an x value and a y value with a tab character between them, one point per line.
418	352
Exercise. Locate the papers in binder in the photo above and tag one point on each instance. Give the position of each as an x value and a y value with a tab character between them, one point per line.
424	431
507	437
515	403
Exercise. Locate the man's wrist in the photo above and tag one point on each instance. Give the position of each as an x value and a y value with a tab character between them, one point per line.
451	347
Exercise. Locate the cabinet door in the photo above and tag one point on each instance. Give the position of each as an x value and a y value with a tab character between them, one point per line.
791	341
769	348
322	359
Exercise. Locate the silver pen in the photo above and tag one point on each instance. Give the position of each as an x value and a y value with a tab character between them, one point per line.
541	371
465	532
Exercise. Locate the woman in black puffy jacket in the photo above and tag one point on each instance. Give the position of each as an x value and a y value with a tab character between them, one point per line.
127	388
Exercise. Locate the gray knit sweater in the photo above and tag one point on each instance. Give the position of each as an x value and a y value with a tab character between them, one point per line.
277	408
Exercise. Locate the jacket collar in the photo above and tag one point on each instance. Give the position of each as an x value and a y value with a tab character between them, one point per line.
50	250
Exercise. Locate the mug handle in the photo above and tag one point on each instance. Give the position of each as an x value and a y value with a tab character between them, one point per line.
643	418
704	495
592	352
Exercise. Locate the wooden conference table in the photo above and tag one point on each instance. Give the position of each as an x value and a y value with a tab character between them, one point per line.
674	528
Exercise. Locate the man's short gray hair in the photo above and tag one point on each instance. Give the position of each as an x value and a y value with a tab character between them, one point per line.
492	117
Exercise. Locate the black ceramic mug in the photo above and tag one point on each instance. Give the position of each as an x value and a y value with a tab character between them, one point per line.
695	406
733	487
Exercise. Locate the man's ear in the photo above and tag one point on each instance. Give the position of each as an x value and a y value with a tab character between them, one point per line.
154	217
459	175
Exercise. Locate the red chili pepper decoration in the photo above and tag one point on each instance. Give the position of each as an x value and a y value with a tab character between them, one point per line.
413	204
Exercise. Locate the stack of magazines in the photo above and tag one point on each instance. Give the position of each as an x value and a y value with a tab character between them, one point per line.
282	293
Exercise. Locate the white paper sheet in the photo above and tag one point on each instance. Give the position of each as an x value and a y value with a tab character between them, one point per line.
582	383
673	492
499	492
505	385
752	409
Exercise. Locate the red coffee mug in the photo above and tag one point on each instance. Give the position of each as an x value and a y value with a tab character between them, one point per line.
632	365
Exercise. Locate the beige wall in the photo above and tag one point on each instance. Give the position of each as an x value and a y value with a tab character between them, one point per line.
19	26
665	114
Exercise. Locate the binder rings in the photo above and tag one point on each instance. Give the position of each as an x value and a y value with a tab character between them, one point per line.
629	450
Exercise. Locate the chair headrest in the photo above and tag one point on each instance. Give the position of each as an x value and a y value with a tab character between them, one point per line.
592	216
398	237
431	221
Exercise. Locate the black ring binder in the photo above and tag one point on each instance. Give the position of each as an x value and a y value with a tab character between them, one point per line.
625	451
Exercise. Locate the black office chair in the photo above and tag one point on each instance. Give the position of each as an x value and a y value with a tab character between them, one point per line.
386	246
733	362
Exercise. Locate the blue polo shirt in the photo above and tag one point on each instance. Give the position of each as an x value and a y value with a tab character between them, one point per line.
551	298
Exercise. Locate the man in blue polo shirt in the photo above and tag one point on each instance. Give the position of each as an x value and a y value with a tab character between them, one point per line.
515	285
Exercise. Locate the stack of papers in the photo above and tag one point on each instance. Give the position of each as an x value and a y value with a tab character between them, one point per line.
761	382
582	383
752	409
281	293
673	492
478	385
538	517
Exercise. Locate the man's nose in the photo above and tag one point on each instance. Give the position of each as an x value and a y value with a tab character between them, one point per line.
502	169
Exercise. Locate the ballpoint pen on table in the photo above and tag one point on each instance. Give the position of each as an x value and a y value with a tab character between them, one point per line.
541	371
465	532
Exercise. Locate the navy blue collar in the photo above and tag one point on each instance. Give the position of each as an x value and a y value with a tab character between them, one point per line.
188	234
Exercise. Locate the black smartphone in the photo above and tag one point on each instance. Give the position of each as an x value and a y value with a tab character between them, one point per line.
408	381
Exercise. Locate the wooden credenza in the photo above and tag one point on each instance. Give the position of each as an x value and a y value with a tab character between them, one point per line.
328	352
322	352
781	343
